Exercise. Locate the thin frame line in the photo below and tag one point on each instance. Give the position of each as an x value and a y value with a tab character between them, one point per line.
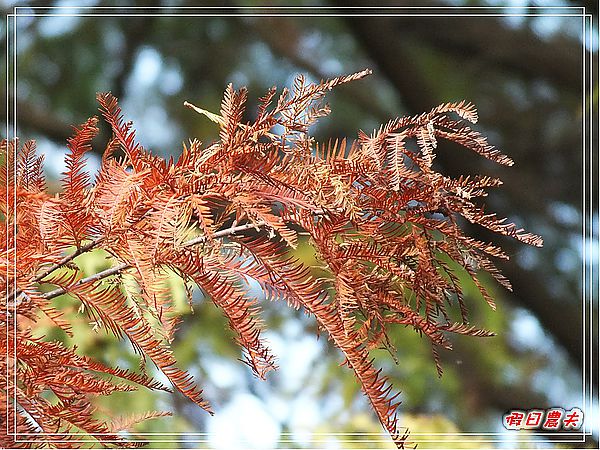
296	15
7	195
584	265
591	212
15	221
582	8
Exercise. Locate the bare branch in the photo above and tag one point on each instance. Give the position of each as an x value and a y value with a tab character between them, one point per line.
124	266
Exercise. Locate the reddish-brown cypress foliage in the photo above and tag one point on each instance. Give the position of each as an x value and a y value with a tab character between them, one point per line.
380	218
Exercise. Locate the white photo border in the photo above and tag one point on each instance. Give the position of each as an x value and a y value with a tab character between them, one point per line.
590	75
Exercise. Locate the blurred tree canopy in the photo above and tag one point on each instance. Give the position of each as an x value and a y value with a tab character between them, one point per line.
522	67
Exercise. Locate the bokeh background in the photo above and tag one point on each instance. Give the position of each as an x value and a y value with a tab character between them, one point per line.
522	66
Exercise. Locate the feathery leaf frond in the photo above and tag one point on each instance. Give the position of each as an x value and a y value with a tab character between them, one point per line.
383	224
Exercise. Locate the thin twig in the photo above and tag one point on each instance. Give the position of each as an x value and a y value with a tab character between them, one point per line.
67	259
59	264
222	233
97	276
124	266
